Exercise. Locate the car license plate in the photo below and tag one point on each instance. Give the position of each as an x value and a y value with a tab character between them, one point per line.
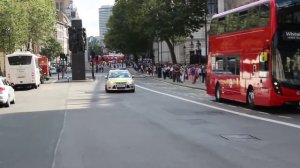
121	86
21	76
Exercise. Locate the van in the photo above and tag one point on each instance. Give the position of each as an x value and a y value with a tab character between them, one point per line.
22	69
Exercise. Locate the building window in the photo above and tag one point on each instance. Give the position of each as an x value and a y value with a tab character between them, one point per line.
212	6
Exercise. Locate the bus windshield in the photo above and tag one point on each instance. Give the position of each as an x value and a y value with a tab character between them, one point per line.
286	58
20	60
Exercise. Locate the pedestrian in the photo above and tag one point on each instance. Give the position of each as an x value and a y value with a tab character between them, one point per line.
193	74
164	71
203	74
182	74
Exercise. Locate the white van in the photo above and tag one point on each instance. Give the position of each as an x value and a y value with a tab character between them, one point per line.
22	69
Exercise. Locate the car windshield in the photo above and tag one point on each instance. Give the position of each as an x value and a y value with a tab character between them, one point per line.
119	74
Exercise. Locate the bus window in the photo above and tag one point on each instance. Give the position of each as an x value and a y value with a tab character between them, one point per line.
222	25
264	18
19	60
253	18
218	65
232	22
233	64
213	27
243	20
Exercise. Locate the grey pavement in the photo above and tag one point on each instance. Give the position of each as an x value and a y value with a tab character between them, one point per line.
78	125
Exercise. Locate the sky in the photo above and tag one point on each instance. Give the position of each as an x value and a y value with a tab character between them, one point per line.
88	12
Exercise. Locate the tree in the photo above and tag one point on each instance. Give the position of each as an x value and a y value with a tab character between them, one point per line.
52	48
25	22
94	45
123	34
166	20
41	21
176	19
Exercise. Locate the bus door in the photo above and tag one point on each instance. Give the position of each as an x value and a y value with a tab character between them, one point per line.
263	89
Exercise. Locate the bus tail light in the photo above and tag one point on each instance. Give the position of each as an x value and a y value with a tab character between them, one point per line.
2	89
32	74
277	88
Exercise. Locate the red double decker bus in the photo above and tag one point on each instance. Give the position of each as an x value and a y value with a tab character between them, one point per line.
254	54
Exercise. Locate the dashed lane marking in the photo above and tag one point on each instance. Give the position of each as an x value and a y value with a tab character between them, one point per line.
222	109
264	113
286	117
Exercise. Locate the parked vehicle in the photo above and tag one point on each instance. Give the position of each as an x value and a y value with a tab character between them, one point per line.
44	68
22	69
7	93
53	70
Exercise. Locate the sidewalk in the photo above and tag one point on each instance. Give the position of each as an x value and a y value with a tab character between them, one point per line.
187	83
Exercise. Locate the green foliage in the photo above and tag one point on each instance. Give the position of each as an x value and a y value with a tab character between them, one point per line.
136	22
94	45
125	33
22	22
52	48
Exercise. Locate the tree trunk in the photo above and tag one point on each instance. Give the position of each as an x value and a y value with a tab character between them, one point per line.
171	49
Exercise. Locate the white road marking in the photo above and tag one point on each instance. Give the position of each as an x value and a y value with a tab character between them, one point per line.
59	139
222	109
264	113
286	117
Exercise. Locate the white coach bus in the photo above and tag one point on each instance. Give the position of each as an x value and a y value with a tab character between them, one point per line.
22	69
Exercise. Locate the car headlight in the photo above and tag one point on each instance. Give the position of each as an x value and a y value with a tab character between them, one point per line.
110	82
130	82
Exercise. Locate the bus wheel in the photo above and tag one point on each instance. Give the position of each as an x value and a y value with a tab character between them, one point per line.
250	98
35	86
218	93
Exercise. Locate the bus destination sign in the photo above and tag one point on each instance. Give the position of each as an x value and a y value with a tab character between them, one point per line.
291	35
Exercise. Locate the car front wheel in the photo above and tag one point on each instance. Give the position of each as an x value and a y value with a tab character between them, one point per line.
7	104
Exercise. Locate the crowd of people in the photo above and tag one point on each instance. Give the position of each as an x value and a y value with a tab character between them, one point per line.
176	72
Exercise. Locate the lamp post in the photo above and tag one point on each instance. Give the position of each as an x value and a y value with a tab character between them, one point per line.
199	52
93	54
192	44
192	53
184	54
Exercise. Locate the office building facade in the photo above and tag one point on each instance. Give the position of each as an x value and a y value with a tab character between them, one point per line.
104	13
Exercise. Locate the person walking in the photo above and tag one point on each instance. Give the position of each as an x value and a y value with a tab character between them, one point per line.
203	73
164	71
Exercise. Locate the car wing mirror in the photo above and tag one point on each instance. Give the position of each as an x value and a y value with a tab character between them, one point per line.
132	76
106	77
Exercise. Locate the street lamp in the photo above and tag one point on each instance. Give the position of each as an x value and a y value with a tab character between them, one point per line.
184	54
192	44
192	52
199	52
